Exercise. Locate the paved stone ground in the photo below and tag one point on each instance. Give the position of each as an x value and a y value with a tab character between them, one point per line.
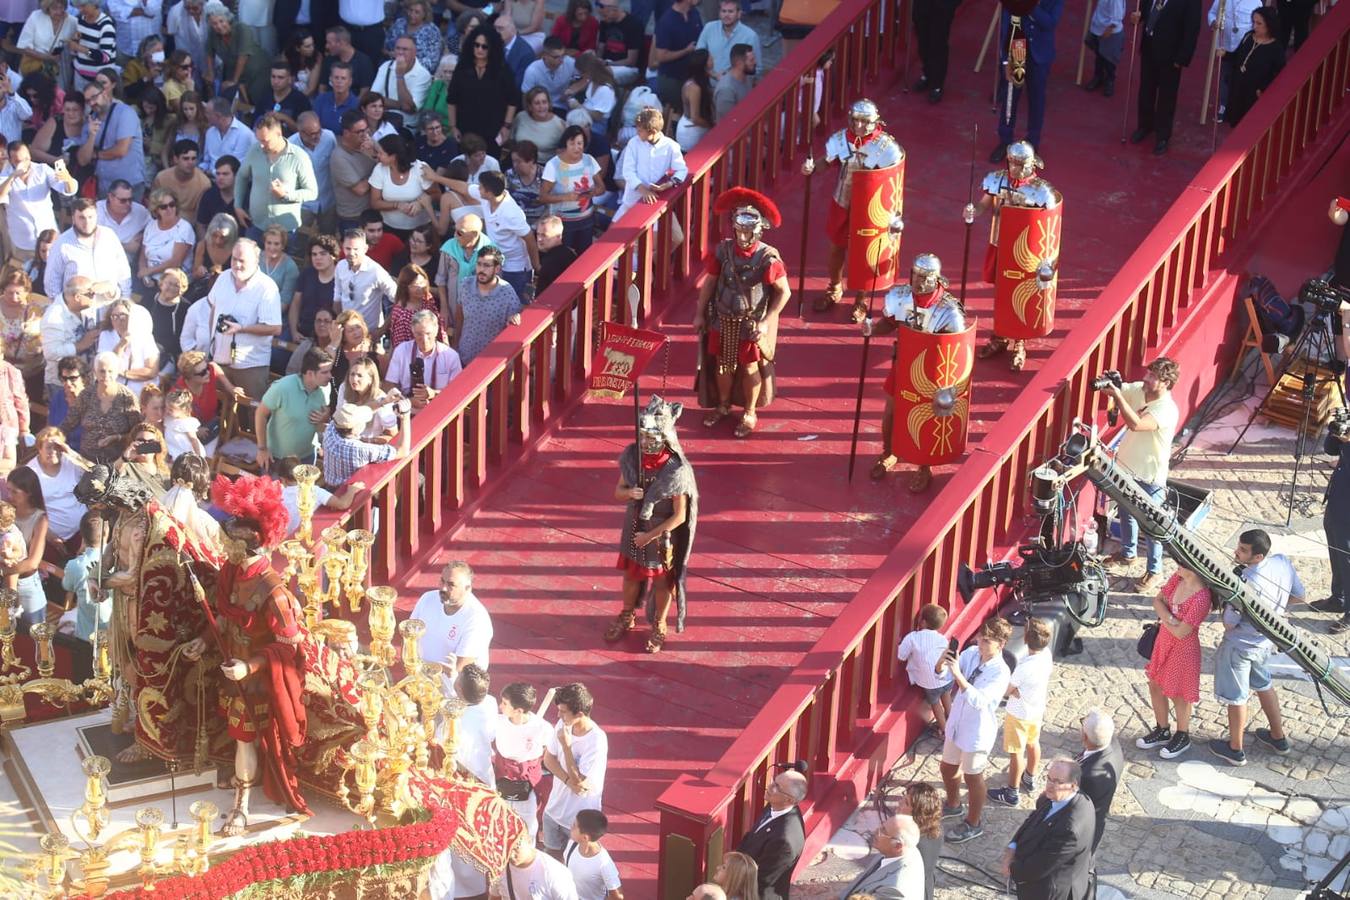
1192	827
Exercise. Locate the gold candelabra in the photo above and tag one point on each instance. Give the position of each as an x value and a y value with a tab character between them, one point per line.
96	690
306	477
359	542
381	620
9	621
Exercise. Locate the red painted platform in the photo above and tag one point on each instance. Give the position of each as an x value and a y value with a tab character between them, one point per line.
784	540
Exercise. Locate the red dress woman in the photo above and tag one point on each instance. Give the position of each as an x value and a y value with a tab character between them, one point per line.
1174	669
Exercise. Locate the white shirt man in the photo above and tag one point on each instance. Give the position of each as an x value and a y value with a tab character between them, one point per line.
136	20
362	284
125	217
507	228
440	364
89	249
590	752
14	110
187	24
459	629
227	136
26	192
244	292
972	724
403	81
649	164
318	144
68	328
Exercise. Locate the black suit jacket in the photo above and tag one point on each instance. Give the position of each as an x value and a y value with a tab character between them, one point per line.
776	848
1101	777
1053	858
1176	33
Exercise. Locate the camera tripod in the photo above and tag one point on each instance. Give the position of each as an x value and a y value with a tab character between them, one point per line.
1315	346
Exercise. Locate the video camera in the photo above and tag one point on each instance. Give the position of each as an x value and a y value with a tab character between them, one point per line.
224	321
1338	431
1323	296
1046	574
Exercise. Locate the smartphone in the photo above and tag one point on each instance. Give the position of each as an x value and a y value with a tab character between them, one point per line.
954	647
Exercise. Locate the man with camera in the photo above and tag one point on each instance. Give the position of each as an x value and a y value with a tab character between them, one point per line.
422	367
247	312
1151	418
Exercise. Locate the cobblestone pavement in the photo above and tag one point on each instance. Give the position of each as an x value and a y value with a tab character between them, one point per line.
1191	827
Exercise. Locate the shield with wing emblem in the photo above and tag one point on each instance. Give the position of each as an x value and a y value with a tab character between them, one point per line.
1024	300
932	395
873	247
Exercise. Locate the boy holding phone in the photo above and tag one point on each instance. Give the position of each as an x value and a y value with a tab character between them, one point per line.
981	678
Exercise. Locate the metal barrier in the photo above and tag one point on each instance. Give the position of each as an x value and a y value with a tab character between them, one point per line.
843	709
523	383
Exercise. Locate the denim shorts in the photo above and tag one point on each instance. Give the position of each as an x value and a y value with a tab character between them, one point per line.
934	695
1239	670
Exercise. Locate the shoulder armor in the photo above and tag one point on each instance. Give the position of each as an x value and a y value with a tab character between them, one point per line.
882	151
899	301
948	315
836	146
994	182
1040	193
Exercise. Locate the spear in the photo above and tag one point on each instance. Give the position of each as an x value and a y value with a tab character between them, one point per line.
970	220
1129	80
862	372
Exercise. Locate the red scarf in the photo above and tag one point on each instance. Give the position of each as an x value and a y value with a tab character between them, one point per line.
923	301
653	461
1021	182
857	142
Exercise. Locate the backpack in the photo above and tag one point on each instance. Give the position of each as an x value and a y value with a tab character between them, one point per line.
1276	313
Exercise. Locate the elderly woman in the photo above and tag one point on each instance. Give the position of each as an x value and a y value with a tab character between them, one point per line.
135	349
45	32
213	253
146	70
144	459
245	66
20	322
94	44
539	125
417	23
1254	64
1173	670
166	242
106	414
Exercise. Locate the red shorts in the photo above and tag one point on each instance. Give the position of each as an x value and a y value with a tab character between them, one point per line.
836	225
632	569
748	352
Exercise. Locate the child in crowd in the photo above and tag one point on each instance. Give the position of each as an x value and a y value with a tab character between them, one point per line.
1028	693
181	426
921	651
1106	40
592	869
981	678
92	606
522	737
152	406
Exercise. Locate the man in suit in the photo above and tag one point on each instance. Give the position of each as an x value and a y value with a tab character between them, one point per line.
1050	856
897	874
1102	762
775	843
1037	28
1171	30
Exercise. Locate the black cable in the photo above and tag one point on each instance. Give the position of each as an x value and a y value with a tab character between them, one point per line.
998	883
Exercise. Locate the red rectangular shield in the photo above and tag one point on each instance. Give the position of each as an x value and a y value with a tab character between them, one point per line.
1027	237
623	355
877	196
932	395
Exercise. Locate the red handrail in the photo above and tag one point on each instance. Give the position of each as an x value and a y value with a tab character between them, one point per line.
838	708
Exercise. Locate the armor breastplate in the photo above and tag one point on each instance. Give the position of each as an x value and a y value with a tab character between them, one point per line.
945	316
1037	193
878	153
740	286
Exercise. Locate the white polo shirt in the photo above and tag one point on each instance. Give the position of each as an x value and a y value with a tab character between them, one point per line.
418	80
467	633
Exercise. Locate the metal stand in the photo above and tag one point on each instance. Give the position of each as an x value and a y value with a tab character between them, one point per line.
1314	345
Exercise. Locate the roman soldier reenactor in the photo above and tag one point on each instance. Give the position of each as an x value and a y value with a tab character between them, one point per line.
738	310
930	380
865	218
656	481
1022	261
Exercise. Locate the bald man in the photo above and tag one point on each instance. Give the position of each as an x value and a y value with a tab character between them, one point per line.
776	840
897	873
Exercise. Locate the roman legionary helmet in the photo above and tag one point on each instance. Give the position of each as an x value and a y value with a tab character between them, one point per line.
1022	161
751	213
866	112
258	517
656	426
926	274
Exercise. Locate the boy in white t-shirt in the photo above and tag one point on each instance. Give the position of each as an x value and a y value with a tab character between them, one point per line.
522	738
921	651
577	755
596	876
1028	693
534	876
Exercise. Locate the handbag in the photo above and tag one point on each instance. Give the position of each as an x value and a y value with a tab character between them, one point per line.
1147	640
513	788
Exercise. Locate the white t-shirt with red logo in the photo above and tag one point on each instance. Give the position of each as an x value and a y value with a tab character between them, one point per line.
525	741
467	633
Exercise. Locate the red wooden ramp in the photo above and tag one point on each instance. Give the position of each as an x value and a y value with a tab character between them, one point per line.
784	540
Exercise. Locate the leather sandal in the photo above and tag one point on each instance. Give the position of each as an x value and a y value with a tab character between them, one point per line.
859	311
657	640
236	820
881	467
716	415
920	480
1019	356
621	625
993	347
833	294
747	425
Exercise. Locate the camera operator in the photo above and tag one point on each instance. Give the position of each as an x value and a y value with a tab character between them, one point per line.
1336	522
1151	417
422	367
247	311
